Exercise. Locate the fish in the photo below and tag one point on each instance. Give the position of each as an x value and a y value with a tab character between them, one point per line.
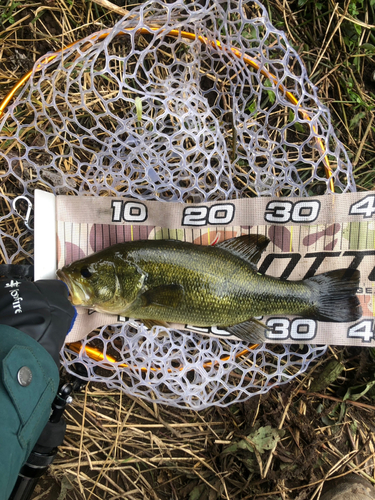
169	281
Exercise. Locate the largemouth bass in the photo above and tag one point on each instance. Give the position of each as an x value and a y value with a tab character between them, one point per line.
166	281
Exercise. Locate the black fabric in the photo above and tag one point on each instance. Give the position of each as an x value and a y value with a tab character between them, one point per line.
40	309
51	437
17	270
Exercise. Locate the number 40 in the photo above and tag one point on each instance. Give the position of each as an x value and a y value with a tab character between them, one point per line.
365	207
362	330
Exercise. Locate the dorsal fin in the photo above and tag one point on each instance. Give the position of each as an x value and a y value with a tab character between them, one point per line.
248	246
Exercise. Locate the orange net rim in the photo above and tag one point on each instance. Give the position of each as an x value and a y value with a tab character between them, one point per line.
95	353
111	363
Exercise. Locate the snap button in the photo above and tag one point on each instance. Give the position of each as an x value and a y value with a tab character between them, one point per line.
24	376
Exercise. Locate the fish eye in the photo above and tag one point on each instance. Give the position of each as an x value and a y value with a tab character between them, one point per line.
85	272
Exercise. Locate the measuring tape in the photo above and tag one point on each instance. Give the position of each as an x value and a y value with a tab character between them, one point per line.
308	236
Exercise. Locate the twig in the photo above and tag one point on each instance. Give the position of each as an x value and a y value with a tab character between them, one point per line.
110	6
81	444
332	398
272	452
324	49
362	143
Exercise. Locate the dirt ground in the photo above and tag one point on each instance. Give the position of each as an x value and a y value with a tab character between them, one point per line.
312	431
116	444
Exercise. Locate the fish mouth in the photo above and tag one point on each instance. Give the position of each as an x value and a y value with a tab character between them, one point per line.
78	296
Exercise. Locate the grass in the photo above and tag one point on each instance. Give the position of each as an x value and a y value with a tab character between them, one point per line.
337	44
119	447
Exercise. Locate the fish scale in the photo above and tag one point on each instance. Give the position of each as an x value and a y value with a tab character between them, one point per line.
219	288
167	281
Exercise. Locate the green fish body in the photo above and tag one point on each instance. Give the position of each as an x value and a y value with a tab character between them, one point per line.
167	281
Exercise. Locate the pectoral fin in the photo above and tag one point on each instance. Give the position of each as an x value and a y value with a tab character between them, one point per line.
251	330
162	296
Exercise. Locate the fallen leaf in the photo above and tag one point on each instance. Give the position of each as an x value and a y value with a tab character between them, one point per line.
330	373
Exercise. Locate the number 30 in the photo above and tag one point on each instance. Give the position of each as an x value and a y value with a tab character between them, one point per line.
280	212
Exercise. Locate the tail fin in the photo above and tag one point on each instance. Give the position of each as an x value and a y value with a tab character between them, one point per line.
336	295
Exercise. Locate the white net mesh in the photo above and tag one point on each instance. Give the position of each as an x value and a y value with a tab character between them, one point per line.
179	368
177	102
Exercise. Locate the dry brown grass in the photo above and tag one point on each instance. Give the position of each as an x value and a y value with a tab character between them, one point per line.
118	447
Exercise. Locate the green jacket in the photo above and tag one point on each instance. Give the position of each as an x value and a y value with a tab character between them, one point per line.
24	406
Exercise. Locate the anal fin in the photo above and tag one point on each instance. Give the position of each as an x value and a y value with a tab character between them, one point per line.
251	330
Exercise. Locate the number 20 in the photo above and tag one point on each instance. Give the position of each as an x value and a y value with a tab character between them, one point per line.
216	215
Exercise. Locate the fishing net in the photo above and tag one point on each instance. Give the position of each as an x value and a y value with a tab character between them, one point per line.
180	102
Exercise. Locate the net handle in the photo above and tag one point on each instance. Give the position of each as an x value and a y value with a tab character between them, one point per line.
190	36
